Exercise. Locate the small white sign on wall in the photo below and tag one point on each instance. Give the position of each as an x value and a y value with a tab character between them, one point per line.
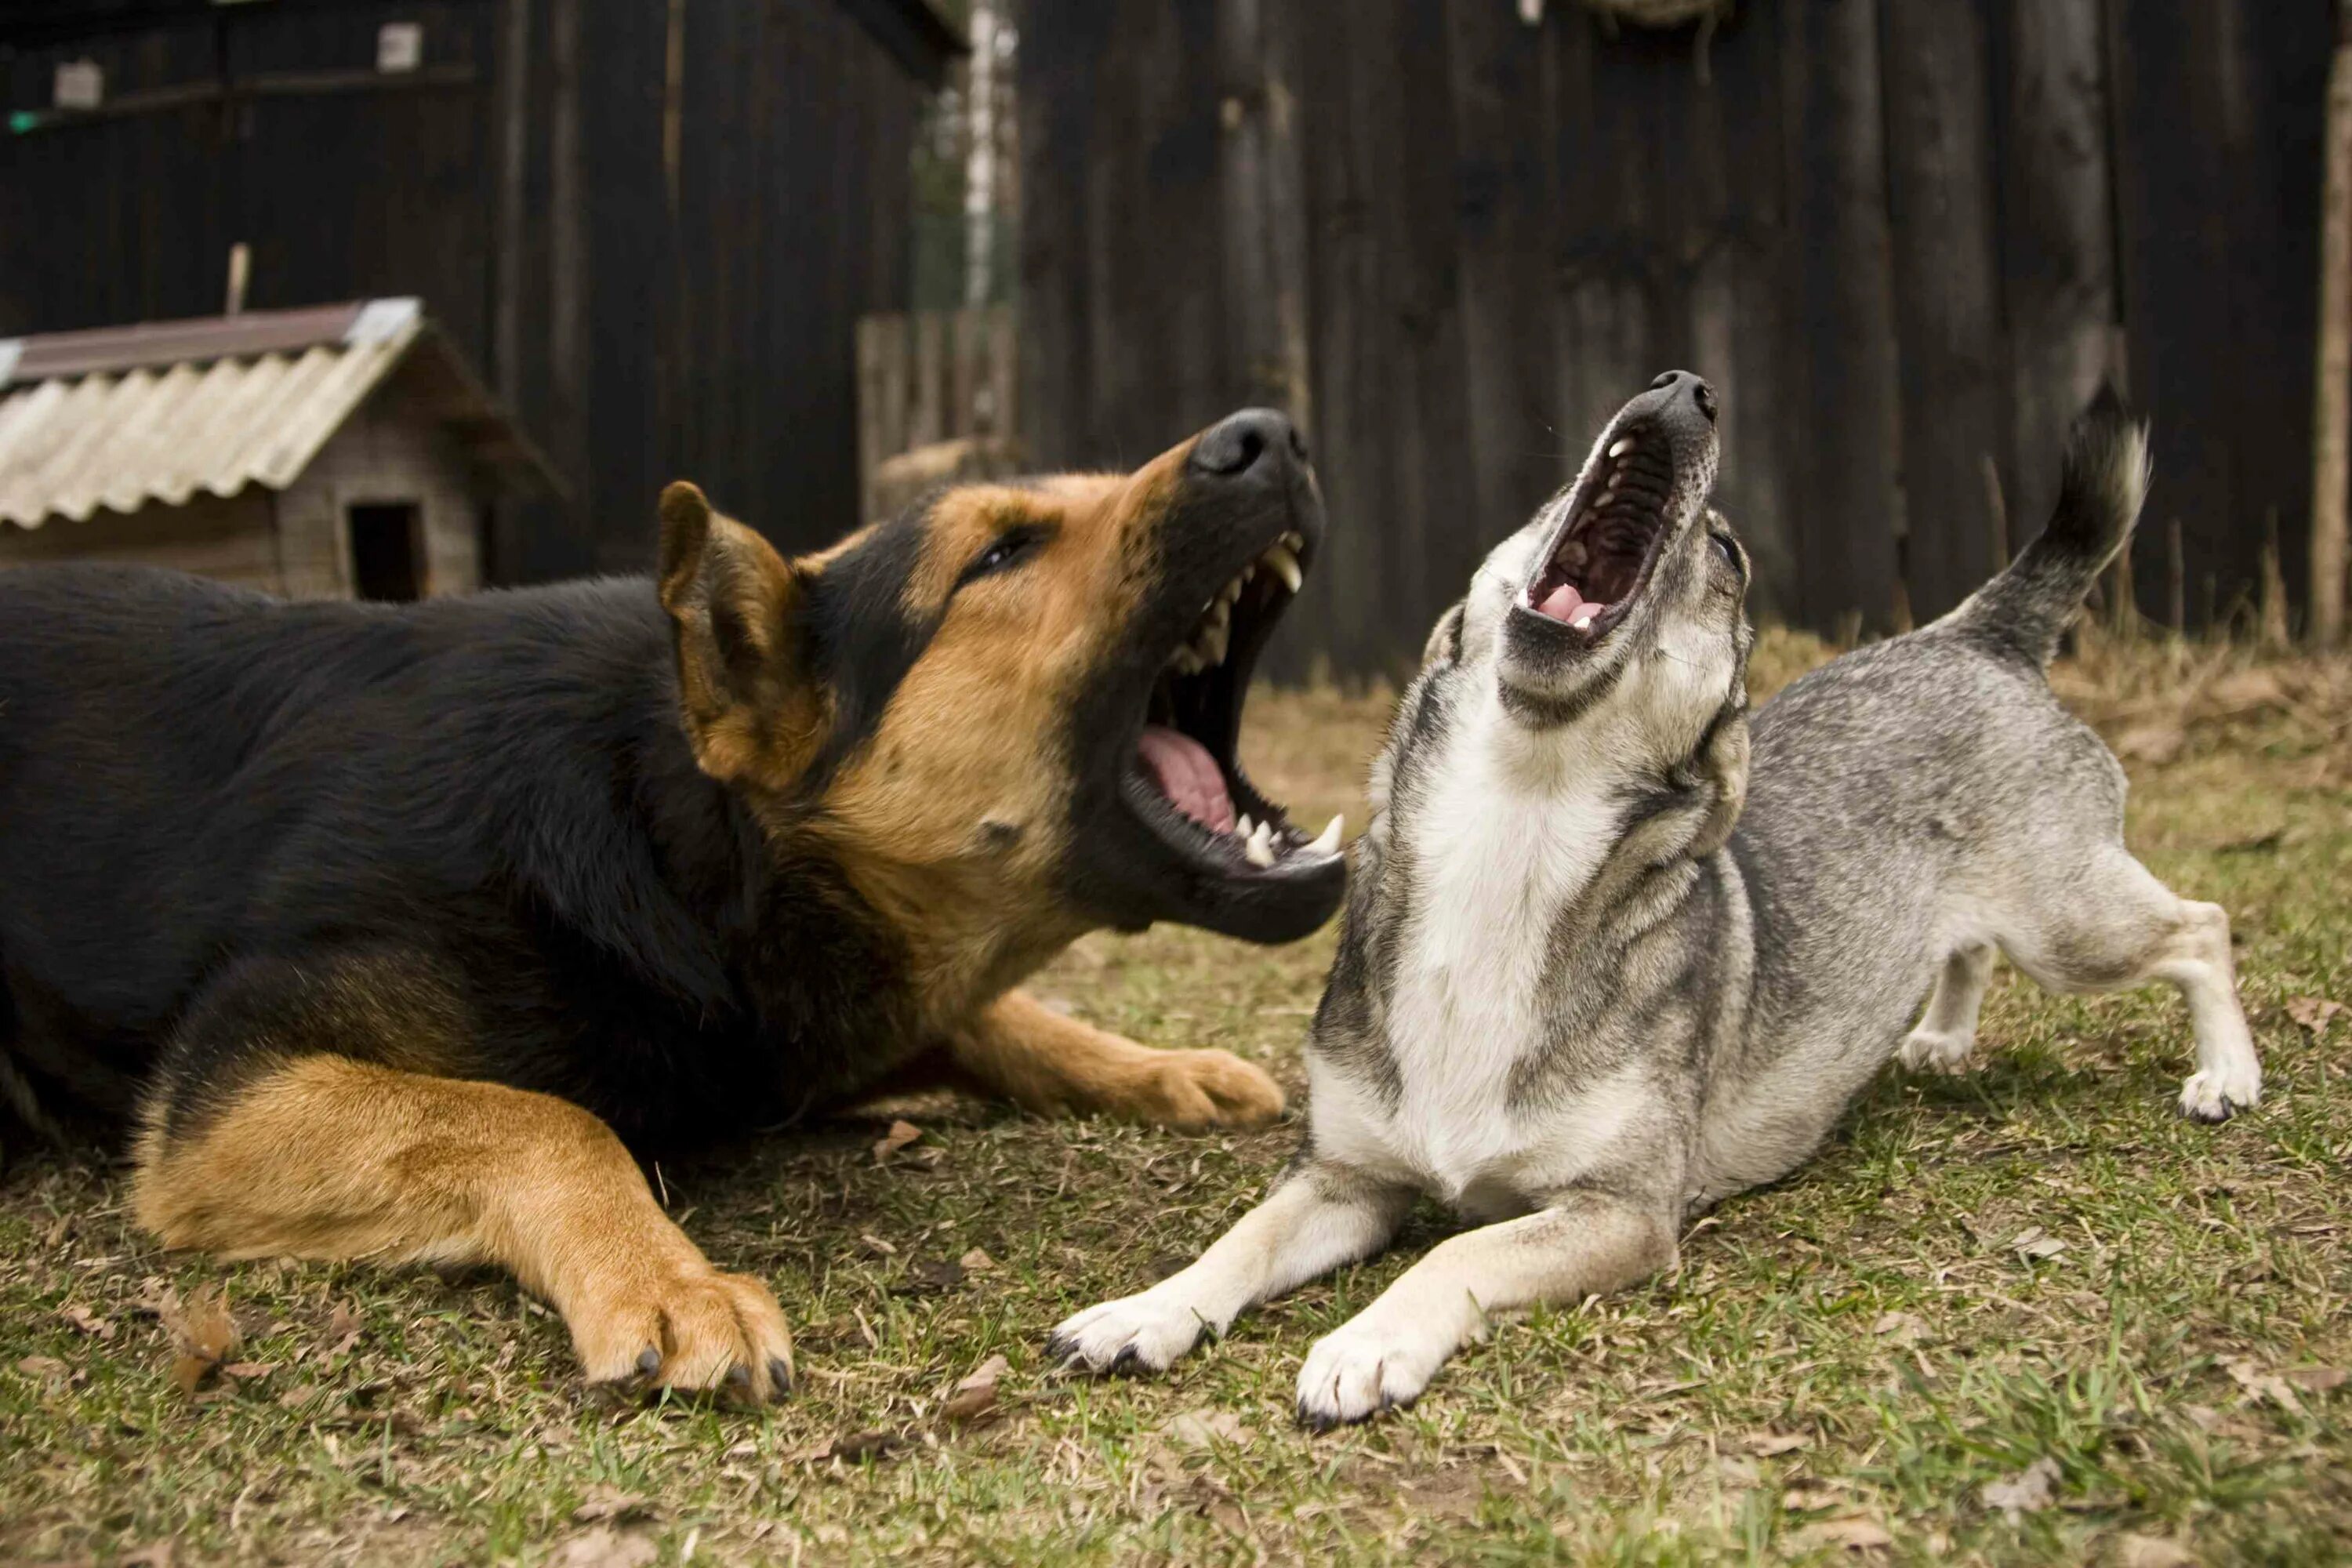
79	84
399	46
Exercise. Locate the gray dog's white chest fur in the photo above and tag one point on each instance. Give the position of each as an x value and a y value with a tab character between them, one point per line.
1504	839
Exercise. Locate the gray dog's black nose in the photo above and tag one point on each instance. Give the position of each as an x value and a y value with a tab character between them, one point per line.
1239	442
1682	383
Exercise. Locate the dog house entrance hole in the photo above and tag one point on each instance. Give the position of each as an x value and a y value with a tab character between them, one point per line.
388	551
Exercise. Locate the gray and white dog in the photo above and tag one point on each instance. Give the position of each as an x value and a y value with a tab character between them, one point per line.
1582	993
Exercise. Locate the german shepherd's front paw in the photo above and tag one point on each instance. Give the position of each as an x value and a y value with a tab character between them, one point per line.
702	1331
1194	1091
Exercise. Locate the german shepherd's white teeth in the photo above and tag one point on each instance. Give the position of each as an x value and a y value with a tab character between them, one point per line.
1327	841
1279	560
1259	849
1241	828
1618	448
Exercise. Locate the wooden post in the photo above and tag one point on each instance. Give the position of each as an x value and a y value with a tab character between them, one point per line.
2331	463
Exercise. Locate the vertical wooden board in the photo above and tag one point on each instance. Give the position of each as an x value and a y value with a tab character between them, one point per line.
1003	373
1946	287
1736	297
349	194
1606	341
1350	353
1847	400
1059	104
929	417
2057	205
130	208
2172	110
2273	178
1504	182
966	368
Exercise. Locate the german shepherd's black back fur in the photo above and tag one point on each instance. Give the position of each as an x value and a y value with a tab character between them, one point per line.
500	784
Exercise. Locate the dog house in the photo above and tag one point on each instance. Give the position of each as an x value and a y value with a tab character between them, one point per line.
345	452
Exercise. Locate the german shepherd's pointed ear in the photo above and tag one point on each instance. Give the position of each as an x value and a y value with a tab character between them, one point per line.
753	711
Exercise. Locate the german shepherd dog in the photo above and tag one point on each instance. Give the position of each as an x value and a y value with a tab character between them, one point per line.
391	932
1595	977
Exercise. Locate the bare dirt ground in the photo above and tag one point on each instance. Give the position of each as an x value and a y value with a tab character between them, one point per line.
2022	1316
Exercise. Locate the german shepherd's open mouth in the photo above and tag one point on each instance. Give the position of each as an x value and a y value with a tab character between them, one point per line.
1242	536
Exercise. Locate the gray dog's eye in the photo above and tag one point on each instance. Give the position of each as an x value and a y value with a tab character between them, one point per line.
1724	548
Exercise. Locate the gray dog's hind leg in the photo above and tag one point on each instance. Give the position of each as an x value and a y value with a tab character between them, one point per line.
1321	1216
1946	1035
2113	927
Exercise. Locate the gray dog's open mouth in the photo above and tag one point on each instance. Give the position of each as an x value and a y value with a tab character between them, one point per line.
1600	559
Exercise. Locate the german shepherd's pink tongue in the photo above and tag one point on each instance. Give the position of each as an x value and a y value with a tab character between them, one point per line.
1187	775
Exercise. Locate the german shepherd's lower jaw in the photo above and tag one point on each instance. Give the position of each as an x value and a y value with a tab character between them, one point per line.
1191	838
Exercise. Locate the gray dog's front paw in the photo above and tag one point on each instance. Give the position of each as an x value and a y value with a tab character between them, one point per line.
1145	1332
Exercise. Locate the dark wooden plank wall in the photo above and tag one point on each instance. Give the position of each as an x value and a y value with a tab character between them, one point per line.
1905	237
676	296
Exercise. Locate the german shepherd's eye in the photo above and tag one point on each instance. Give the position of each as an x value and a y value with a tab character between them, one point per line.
1008	550
1725	548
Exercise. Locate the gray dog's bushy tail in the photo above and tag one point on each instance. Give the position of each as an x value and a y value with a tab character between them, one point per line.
2025	610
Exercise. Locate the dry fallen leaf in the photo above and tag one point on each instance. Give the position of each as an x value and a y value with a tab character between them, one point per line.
246	1370
876	1245
2151	1551
901	1134
975	1396
2313	1012
202	1333
158	1555
1854	1532
610	1504
1764	1445
856	1445
47	1367
2260	1384
929	1276
2035	1242
2316	1379
343	1329
1199	1428
2028	1491
1809	1496
977	1262
605	1547
88	1322
1903	1328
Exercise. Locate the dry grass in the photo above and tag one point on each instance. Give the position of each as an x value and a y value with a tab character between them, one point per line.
1859	1351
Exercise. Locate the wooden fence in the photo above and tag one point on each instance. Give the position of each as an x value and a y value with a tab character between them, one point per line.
930	376
1906	238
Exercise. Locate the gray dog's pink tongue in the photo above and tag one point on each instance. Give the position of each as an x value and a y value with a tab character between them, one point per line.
1562	602
1188	776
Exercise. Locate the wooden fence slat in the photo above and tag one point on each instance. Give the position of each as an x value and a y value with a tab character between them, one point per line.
1850	406
2058	262
1947	291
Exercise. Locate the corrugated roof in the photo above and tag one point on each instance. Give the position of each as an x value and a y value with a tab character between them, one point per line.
124	416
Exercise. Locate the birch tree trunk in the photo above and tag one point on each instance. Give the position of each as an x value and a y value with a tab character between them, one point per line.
980	160
2331	402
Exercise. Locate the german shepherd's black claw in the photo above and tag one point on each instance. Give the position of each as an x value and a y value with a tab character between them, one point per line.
649	1361
780	1379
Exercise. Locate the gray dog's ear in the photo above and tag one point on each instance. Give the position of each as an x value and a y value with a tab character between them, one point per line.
1444	637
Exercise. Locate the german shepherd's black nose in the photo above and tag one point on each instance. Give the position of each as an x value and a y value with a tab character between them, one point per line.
1680	385
1240	442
